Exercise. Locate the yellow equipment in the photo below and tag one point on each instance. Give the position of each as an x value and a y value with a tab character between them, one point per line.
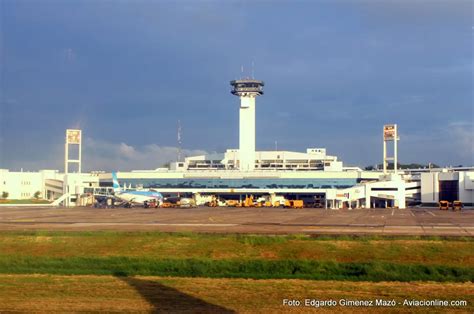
232	203
294	204
298	204
444	205
457	205
167	205
248	202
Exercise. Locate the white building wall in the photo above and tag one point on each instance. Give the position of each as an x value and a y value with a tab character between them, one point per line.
24	185
429	187
333	166
466	187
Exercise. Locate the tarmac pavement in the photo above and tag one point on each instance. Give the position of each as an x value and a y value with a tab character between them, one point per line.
414	221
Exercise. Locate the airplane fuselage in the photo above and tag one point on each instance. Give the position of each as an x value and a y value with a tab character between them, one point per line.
139	197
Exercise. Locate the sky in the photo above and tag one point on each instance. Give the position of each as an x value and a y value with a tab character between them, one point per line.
335	72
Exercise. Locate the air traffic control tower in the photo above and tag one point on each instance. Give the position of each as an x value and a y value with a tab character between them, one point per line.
247	90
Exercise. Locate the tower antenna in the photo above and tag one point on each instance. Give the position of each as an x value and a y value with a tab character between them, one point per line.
253	69
179	140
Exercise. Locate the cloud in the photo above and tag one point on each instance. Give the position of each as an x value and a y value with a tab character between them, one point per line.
411	11
108	156
462	135
447	145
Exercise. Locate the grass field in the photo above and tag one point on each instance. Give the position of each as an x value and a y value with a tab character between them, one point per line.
28	201
407	250
44	293
116	271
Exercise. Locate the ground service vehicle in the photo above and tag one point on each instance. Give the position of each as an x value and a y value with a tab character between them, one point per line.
150	204
294	204
457	205
186	203
248	202
214	202
167	205
232	203
297	204
444	205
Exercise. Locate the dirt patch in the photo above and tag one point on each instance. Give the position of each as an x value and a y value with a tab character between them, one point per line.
42	239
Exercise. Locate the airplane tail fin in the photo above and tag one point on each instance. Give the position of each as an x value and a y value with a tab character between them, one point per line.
115	182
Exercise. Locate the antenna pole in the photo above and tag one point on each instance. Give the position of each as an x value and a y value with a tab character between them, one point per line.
253	69
179	140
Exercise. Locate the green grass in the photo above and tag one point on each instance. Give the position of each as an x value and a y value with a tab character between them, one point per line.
243	256
257	269
430	251
28	201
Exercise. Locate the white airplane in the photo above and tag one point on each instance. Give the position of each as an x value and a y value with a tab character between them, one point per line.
141	197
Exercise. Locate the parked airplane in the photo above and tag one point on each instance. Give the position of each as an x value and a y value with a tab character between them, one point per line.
142	197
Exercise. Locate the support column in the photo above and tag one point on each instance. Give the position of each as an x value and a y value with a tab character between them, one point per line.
367	200
384	157
395	153
247	133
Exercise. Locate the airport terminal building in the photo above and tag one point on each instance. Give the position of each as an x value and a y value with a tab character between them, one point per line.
314	176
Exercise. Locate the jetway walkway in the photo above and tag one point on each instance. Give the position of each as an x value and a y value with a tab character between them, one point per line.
100	191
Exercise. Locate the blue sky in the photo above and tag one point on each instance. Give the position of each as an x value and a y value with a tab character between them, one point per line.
335	72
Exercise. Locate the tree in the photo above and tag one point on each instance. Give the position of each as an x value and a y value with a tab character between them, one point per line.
5	194
37	194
